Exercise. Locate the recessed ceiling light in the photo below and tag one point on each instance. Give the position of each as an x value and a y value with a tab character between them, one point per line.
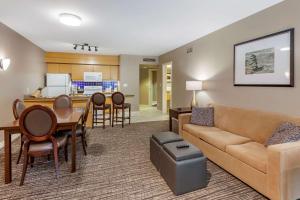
70	19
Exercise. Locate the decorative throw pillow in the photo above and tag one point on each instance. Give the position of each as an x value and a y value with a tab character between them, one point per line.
203	116
286	132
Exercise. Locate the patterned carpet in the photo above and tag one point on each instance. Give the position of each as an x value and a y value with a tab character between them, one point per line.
117	167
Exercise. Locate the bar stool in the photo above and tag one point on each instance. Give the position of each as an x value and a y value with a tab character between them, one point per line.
118	101
99	100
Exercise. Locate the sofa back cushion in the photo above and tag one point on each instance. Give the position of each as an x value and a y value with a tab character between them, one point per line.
253	124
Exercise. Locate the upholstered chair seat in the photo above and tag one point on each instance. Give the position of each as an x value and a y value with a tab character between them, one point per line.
47	145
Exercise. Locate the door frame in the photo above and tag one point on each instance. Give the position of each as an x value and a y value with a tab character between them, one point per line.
164	85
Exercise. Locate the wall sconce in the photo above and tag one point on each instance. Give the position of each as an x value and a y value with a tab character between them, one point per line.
4	64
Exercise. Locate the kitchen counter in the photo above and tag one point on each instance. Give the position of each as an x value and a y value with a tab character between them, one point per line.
79	101
74	98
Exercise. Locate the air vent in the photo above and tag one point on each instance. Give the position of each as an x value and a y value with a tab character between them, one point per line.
149	59
189	50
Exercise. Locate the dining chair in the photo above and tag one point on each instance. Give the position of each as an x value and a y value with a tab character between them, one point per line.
118	101
81	128
62	102
18	107
38	124
99	103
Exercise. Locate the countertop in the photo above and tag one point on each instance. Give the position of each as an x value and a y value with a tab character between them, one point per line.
74	98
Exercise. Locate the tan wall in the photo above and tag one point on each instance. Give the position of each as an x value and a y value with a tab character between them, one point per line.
212	60
144	86
25	74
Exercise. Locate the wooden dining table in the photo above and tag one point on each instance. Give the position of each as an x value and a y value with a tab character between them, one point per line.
67	119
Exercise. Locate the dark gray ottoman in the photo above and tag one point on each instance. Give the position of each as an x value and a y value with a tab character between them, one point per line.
184	169
156	142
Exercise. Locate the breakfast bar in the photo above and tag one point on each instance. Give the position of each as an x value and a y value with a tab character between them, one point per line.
79	101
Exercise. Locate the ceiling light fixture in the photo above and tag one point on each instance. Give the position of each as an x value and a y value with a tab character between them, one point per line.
70	19
89	47
4	64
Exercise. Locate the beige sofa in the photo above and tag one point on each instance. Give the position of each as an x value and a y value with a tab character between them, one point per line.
236	143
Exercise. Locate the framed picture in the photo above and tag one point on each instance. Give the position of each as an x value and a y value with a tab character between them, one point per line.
265	61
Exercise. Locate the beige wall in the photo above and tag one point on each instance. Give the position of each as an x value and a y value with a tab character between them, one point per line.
26	71
129	75
212	60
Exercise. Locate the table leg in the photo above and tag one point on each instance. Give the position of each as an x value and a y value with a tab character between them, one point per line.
73	169
7	157
170	123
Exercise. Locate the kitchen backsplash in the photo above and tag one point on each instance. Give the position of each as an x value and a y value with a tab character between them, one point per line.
104	84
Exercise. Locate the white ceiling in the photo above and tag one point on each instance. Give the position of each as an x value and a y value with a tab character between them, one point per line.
140	27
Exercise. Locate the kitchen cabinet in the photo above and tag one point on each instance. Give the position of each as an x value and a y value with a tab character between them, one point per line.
105	71
114	73
65	68
78	71
53	68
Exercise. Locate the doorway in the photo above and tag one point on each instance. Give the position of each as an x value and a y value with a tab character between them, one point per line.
148	86
166	87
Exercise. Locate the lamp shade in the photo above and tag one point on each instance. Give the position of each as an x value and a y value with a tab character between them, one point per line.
193	85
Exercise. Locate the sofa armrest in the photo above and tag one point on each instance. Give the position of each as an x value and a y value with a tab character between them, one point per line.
284	171
183	119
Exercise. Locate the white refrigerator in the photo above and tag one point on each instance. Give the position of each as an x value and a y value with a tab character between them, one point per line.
57	84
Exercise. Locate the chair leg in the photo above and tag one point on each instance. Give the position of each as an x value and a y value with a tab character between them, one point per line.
31	161
20	151
93	118
66	150
113	116
116	115
55	154
129	114
25	163
83	144
103	116
123	117
110	116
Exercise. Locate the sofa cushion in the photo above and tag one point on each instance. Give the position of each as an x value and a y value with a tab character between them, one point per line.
215	136
203	116
251	153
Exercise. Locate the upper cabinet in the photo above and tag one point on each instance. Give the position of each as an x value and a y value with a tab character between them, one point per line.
105	70
53	68
78	71
114	73
77	64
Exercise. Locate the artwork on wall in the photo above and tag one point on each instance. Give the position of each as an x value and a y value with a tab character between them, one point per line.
265	61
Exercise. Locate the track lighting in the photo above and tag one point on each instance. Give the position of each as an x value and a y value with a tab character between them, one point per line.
89	47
